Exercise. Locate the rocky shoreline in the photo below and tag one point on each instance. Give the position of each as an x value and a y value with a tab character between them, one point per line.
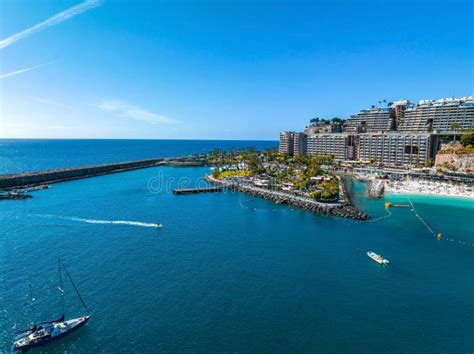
376	188
345	209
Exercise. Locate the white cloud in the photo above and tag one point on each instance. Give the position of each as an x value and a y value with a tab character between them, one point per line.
13	73
56	19
52	103
134	112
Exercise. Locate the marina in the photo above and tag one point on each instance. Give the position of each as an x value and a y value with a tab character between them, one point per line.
236	177
234	238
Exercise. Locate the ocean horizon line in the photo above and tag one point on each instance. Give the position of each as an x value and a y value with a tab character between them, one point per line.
140	139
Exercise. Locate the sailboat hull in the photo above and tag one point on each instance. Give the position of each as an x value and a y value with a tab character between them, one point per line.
49	333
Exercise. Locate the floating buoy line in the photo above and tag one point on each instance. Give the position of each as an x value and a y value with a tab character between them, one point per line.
377	219
439	236
380	218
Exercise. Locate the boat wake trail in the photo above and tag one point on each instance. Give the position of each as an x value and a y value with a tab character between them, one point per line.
115	222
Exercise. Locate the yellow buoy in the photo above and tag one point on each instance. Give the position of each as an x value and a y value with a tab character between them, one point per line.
439	236
388	204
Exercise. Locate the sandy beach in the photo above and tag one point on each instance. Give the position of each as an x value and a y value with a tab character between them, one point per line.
429	188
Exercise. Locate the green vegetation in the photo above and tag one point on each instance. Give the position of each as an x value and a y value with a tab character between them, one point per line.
330	189
467	140
449	166
336	124
295	174
227	174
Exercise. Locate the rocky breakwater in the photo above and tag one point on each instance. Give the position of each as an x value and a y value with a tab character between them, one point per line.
177	163
343	209
376	188
53	176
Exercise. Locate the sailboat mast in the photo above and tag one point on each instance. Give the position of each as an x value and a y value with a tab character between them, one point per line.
75	288
61	288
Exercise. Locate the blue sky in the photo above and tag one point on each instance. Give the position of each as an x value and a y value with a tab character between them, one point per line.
220	69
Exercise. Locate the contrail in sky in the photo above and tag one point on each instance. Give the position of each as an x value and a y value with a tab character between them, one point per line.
52	21
13	73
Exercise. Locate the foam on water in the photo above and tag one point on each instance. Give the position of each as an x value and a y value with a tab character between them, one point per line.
104	222
115	222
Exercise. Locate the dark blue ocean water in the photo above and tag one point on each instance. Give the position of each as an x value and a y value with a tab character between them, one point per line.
231	272
25	155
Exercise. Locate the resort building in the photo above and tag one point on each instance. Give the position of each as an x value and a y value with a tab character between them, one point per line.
399	107
292	143
395	149
439	116
402	135
329	144
299	144
286	143
371	120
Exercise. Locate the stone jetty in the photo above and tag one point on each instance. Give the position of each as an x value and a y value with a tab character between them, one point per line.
197	190
15	196
22	180
53	176
376	188
343	209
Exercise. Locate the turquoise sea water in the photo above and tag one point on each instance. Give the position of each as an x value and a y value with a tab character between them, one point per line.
231	272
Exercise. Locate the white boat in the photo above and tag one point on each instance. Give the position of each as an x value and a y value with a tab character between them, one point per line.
46	332
378	258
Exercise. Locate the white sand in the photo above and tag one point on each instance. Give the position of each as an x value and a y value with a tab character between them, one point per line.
430	188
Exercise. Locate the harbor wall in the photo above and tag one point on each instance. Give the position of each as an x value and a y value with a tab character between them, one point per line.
53	176
345	209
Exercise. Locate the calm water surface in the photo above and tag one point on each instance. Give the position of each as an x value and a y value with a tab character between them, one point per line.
25	155
230	272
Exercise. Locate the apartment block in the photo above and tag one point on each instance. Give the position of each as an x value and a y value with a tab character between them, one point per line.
395	149
299	144
439	116
286	145
371	120
403	134
329	144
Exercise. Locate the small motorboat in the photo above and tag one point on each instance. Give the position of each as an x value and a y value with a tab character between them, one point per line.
378	258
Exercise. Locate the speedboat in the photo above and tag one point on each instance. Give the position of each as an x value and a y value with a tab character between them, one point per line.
378	258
